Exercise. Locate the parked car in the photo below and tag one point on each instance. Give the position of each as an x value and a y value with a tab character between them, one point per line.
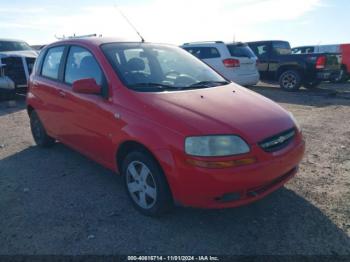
16	62
277	63
176	130
235	61
343	49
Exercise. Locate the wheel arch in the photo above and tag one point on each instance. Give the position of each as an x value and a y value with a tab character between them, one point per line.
285	68
129	146
132	145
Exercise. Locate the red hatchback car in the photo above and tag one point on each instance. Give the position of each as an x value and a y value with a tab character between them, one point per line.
176	130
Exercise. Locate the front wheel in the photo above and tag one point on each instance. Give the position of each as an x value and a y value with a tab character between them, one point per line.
146	184
290	80
40	136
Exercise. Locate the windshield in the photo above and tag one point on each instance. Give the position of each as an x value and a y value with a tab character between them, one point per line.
240	50
6	46
150	67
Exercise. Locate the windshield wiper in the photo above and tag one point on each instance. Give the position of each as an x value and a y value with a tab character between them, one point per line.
203	84
157	85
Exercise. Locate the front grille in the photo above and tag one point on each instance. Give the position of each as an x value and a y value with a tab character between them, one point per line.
14	70
277	142
30	63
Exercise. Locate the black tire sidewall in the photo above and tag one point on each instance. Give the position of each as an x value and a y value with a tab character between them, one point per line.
296	75
44	140
164	200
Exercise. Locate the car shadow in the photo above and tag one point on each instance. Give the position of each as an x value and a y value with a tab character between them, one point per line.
12	106
326	95
55	201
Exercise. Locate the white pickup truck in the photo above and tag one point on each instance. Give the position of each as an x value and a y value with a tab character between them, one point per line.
16	62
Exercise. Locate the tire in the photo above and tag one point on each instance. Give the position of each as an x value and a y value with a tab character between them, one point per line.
290	80
145	184
312	84
342	77
40	136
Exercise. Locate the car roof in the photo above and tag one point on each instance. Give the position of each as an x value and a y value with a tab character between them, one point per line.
212	43
264	41
94	41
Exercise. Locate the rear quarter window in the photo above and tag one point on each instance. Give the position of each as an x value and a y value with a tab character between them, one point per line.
203	52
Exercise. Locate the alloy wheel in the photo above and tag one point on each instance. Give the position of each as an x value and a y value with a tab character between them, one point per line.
141	185
289	81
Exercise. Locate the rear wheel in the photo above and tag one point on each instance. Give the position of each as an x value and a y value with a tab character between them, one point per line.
146	184
290	80
40	136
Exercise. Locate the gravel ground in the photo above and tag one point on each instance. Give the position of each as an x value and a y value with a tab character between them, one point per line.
55	201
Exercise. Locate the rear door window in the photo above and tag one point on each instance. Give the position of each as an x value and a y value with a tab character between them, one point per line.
52	62
260	49
81	64
203	52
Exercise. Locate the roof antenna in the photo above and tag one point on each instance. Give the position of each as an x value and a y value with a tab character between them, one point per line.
128	21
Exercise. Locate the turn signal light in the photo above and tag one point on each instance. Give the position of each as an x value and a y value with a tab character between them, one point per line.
221	164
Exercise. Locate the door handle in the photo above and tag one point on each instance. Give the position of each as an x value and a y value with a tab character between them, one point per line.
62	94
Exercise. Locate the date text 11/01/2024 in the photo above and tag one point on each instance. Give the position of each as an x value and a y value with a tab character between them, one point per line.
173	258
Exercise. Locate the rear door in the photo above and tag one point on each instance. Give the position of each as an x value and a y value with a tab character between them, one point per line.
246	58
47	88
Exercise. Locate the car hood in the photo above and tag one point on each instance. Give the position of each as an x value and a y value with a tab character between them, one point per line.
228	109
25	53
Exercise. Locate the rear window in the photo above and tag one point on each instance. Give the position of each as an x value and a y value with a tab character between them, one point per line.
240	51
303	50
203	52
281	48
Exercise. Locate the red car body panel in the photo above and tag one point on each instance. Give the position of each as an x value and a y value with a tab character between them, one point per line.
345	52
97	127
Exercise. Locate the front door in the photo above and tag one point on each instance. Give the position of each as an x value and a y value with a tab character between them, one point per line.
91	122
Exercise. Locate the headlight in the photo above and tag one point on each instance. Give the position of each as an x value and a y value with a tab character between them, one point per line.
215	145
295	121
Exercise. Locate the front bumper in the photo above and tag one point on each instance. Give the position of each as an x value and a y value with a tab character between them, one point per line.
209	188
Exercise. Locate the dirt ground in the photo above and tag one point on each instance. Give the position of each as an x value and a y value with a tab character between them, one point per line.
55	201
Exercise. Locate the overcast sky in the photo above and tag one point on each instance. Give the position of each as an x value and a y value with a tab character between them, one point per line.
178	21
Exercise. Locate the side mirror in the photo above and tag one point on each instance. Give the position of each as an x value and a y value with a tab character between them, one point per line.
86	86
